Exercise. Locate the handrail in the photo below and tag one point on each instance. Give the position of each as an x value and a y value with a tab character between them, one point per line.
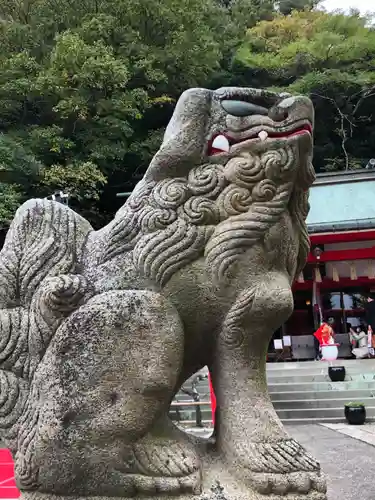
190	403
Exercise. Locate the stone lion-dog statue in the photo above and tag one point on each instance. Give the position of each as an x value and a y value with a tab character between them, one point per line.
99	329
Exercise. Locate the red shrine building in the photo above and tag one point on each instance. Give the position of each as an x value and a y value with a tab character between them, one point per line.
341	265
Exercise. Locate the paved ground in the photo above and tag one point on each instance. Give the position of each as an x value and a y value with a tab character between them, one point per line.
365	433
348	463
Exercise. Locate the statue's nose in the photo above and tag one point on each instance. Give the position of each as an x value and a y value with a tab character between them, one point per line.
242	108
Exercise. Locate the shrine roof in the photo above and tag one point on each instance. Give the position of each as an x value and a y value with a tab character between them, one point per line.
342	201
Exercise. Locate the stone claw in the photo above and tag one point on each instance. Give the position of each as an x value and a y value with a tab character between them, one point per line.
138	484
290	484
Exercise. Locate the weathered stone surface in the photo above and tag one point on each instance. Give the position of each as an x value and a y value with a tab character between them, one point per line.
100	328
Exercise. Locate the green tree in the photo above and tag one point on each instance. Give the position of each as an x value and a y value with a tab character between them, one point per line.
87	87
330	57
18	171
286	7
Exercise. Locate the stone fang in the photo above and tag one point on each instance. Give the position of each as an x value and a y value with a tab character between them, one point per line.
263	135
221	143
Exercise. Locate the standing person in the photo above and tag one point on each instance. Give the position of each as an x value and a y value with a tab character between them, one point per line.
370	320
370	312
325	334
318	354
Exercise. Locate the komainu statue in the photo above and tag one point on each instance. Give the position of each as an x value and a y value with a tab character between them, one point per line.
99	329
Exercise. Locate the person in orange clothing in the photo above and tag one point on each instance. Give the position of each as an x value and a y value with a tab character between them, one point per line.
325	334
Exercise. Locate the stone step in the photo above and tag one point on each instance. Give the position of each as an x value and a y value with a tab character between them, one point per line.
317	420
183	398
320	366
320	403
320	413
320	377
311	365
189	414
317	369
333	393
204	433
303	392
366	365
321	386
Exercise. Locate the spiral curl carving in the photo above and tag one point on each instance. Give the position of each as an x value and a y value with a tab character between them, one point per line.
235	235
245	171
151	219
200	211
234	200
55	299
264	191
170	193
278	164
232	334
233	337
207	180
65	293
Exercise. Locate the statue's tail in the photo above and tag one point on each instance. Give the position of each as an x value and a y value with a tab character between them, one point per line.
45	239
40	285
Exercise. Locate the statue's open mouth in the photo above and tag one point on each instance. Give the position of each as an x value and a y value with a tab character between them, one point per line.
222	143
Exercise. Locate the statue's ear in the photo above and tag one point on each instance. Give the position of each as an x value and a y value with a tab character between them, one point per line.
184	138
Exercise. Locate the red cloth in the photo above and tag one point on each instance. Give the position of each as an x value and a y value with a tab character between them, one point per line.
8	487
213	399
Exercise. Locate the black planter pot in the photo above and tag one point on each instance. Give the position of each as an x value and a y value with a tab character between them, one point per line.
337	373
355	415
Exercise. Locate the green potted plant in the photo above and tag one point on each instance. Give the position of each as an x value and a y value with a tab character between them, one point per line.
355	413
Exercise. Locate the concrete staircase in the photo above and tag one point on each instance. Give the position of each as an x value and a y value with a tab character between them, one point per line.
301	392
304	393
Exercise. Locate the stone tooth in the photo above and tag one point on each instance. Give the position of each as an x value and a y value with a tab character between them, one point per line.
221	143
262	135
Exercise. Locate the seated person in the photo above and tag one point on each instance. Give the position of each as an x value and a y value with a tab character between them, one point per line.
358	338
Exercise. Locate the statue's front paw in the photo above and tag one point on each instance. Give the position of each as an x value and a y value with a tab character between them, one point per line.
282	468
171	459
167	465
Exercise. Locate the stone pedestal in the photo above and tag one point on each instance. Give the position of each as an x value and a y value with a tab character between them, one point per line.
220	481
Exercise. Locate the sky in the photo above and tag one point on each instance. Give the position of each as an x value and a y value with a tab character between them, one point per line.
362	5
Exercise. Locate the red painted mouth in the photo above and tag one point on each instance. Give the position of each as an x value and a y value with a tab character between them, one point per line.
303	129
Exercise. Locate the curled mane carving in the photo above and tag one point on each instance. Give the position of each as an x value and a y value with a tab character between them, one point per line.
217	212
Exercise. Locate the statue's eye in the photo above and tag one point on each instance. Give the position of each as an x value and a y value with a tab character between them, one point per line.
278	114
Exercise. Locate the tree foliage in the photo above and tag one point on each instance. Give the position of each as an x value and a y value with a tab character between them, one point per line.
86	88
330	57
